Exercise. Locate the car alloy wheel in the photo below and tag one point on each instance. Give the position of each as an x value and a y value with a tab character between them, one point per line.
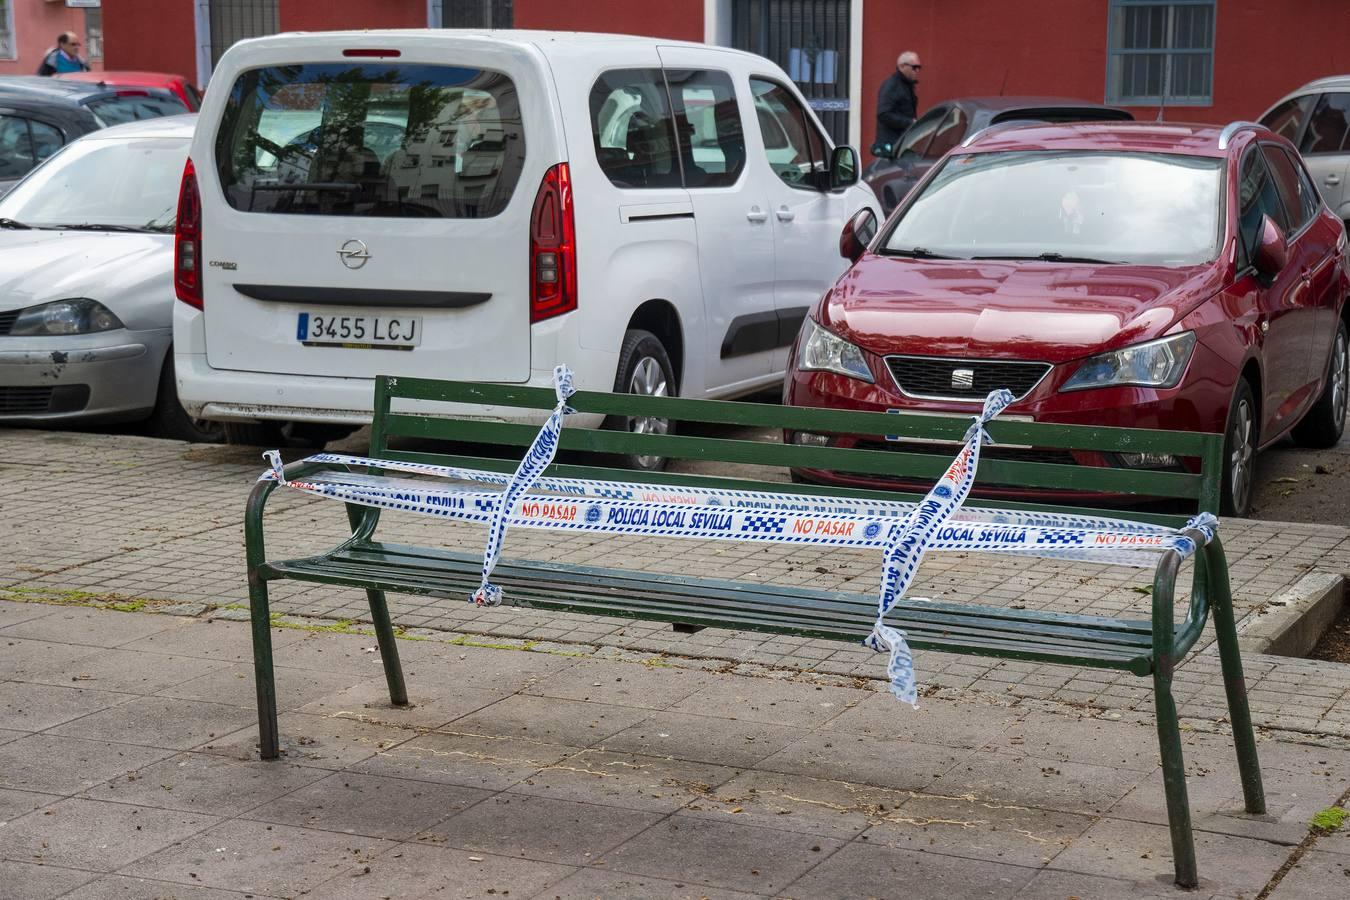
649	379
1241	454
1340	374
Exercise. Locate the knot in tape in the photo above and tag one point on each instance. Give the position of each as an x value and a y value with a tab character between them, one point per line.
487	595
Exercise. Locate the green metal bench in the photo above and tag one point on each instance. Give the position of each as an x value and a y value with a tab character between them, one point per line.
1146	647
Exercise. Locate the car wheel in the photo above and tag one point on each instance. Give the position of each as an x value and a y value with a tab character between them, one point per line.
644	369
255	434
1325	422
296	435
170	420
1239	452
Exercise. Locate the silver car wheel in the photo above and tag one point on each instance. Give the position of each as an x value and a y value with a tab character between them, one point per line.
1241	454
1340	363
649	380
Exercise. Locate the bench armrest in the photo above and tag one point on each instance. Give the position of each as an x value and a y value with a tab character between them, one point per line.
1171	641
363	519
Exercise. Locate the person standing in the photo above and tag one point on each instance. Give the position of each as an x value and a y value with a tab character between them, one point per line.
64	57
898	104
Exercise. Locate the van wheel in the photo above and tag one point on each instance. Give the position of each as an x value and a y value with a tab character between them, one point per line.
255	434
1325	422
170	420
297	435
1239	453
644	369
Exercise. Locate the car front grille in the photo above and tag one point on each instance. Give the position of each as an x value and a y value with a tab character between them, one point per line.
7	320
941	378
30	400
993	451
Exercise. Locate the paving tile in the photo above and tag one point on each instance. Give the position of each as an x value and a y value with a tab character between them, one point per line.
416	871
235	685
126	670
7	735
722	854
30	881
1099	742
346	653
12	613
1052	883
861	870
89	834
63	765
26	660
434	667
1316	876
589	884
394	808
314	740
95	627
159	722
970	724
575	723
539	828
655	687
470	760
707	739
369	701
205	783
256	857
625	780
213	639
17	803
36	707
1143	852
835	809
1039	783
122	887
903	765
775	702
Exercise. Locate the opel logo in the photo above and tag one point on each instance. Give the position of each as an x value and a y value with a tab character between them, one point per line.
354	254
963	378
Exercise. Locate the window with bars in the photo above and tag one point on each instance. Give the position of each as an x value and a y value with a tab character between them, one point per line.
236	20
93	32
8	50
1161	52
472	14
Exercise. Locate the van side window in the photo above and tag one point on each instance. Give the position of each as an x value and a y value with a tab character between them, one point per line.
712	143
633	129
795	148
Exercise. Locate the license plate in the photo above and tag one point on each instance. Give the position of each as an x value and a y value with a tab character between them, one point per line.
359	332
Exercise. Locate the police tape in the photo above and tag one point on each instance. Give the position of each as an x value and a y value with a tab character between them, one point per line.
903	531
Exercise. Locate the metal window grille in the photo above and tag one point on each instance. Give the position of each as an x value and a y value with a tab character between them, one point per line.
93	32
809	39
472	14
237	20
1161	52
7	46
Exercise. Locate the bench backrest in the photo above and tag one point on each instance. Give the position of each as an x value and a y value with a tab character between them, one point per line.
582	451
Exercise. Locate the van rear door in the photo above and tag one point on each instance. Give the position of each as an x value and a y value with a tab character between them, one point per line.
371	208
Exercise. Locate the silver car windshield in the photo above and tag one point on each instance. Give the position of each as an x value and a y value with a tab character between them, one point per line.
1138	208
116	184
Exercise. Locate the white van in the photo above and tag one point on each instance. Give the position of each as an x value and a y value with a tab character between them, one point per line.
485	205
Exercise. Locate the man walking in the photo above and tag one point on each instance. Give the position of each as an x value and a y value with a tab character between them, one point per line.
64	57
897	106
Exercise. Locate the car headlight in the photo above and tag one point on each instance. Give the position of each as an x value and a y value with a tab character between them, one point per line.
825	351
78	316
1157	363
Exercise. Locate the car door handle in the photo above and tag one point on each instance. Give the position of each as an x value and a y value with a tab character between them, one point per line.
757	215
1332	180
785	214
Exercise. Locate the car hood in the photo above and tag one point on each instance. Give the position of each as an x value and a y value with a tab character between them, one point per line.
1052	312
130	273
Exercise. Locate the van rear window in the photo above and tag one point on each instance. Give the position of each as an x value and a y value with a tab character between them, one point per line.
378	139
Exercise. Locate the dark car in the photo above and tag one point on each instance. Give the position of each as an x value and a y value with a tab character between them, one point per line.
898	167
38	116
1181	277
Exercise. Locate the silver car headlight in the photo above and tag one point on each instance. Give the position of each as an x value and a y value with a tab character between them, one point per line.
78	316
1157	363
825	351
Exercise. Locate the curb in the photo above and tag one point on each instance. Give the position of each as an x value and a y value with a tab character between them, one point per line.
1292	623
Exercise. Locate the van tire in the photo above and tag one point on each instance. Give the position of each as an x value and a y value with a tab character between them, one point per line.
170	420
297	435
644	368
254	434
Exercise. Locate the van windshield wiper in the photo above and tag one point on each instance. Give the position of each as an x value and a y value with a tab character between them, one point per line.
12	223
917	253
1054	257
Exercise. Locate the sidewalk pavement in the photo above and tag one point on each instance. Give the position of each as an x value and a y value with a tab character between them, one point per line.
554	755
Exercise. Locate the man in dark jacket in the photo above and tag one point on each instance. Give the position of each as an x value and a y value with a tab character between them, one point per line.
64	57
897	106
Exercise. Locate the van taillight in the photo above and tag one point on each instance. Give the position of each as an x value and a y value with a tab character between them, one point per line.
553	247
187	241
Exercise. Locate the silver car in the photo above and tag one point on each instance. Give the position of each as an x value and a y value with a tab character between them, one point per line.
86	283
1316	119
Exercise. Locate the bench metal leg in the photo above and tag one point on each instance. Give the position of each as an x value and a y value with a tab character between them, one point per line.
263	677
1174	779
1235	685
384	634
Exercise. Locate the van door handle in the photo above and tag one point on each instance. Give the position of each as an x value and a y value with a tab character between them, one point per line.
1332	180
785	214
757	215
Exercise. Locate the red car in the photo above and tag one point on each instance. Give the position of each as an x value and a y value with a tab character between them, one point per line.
1143	275
177	85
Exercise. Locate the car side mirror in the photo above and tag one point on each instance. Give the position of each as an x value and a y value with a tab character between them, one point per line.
1272	253
843	167
858	233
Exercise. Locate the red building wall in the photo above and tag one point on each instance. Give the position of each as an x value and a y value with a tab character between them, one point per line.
150	35
334	15
36	25
679	19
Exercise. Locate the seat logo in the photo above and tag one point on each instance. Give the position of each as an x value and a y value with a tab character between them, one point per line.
354	254
963	378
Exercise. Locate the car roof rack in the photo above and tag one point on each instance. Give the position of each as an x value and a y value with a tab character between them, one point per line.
1231	129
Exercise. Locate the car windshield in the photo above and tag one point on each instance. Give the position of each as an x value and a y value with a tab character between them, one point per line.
115	185
1138	208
